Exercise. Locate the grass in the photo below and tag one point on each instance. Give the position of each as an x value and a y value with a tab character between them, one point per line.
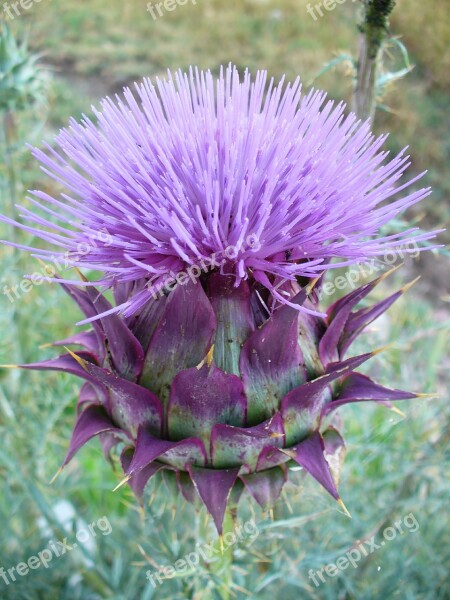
394	466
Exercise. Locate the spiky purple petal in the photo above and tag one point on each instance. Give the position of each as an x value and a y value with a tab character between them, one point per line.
310	454
359	388
201	398
271	363
214	487
232	446
91	422
181	340
265	486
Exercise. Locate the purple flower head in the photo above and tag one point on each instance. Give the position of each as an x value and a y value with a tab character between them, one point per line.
240	190
274	183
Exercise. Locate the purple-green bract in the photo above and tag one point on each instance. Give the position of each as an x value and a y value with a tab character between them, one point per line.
234	374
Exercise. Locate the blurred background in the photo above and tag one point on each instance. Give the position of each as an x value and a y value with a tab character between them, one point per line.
76	53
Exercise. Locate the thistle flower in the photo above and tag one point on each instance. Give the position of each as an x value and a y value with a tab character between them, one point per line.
198	165
219	202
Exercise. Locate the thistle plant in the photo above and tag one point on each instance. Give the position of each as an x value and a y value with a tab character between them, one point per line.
222	203
22	82
23	90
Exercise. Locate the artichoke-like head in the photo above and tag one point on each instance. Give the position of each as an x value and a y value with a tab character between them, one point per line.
207	383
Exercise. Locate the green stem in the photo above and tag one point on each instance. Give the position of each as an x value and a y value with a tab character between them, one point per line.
373	29
221	565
